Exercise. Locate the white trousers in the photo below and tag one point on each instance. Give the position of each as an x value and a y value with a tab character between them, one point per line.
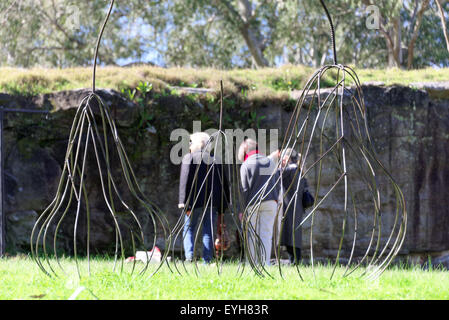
260	231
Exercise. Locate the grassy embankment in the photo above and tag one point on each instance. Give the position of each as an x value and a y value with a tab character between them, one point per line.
253	84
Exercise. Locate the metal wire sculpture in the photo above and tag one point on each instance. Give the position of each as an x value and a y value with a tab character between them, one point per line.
99	142
210	191
328	124
329	131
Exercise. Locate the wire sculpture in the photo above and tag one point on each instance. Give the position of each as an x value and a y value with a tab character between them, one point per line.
210	190
97	141
329	130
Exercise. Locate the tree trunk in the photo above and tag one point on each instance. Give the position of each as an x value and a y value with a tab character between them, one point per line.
411	45
252	37
397	41
390	50
443	22
242	19
254	46
392	39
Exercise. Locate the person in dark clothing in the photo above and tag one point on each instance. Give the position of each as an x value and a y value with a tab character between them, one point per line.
203	193
291	232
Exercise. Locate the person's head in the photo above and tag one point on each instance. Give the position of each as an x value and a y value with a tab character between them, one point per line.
289	156
198	141
246	146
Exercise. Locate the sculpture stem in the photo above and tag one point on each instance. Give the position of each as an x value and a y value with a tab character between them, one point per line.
98	44
332	31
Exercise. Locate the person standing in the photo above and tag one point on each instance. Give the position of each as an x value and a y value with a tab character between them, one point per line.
260	194
293	204
203	192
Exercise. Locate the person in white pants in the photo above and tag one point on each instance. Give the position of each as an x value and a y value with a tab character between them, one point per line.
260	193
262	218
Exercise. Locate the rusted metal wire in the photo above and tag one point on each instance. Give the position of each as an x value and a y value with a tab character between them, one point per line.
98	142
328	129
218	172
333	122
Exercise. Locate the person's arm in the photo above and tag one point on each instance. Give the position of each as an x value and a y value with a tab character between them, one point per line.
244	182
183	178
274	156
277	180
225	185
306	185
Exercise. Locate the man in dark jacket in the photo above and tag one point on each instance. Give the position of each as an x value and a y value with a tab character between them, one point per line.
203	192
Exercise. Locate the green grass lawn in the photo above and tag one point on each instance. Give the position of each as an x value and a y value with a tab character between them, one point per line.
20	278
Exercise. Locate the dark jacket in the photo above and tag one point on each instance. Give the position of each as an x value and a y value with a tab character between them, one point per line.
254	174
293	215
199	189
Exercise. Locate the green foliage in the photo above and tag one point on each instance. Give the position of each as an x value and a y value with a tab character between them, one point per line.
144	88
220	34
129	93
252	118
281	84
256	119
61	33
29	85
145	118
141	96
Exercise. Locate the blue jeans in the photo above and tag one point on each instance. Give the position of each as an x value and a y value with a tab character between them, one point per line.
190	229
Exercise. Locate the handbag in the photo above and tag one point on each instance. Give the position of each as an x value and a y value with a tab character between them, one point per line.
307	199
222	242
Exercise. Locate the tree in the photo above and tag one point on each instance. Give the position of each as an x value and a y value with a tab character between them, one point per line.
258	33
431	48
244	18
61	33
222	33
418	15
390	27
401	26
443	21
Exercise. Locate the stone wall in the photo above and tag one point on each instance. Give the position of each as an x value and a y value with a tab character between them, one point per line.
409	127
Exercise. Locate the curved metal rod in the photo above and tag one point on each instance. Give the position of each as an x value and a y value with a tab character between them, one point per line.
88	139
338	119
98	44
332	31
